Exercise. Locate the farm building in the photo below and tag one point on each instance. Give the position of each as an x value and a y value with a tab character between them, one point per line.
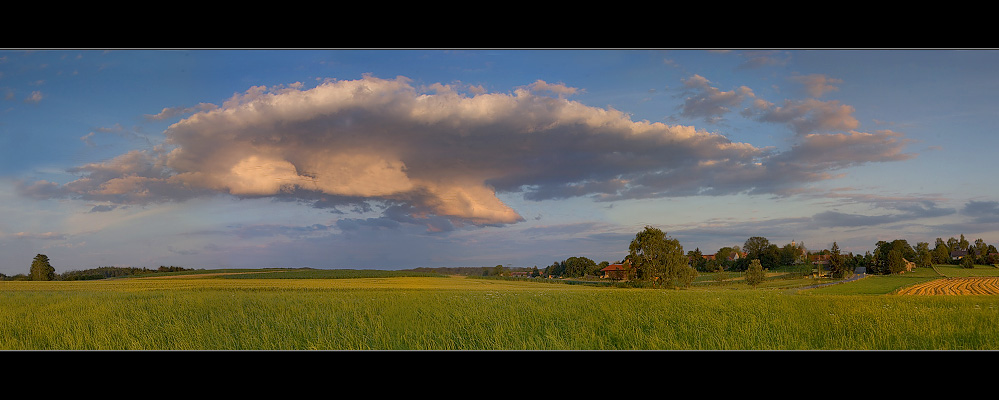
617	271
821	259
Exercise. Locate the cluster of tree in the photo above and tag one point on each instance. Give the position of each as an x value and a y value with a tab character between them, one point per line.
42	270
770	255
575	267
966	252
498	270
892	257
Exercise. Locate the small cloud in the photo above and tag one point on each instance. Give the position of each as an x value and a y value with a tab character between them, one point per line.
34	98
708	102
759	59
817	85
103	208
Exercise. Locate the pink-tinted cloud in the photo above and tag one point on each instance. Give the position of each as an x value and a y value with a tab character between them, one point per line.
441	155
806	116
817	85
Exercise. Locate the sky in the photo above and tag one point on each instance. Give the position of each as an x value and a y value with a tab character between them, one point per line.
405	158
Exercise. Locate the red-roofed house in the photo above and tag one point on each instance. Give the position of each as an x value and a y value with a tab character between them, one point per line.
617	271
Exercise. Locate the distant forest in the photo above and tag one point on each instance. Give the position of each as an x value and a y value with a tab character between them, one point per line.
99	273
471	271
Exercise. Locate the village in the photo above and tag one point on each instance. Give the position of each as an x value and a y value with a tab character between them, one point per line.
889	257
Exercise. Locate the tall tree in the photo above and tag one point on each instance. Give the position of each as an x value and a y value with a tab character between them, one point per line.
981	250
41	270
755	246
896	263
754	273
658	258
837	266
697	259
941	255
924	257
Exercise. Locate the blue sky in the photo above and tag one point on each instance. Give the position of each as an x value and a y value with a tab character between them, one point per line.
394	159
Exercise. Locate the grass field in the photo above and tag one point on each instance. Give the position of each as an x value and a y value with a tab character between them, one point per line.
348	310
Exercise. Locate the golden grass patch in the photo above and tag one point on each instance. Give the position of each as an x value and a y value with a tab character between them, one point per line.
955	286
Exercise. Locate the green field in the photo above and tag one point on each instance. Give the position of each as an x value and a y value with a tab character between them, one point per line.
352	310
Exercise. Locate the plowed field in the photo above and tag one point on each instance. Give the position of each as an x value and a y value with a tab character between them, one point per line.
955	286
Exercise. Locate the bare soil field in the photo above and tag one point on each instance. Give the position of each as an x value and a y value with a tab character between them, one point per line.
955	286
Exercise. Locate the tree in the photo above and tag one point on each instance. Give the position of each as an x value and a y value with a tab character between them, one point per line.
924	257
896	263
755	246
968	262
658	258
760	248
770	258
882	262
981	250
578	266
697	259
837	265
41	270
754	273
952	244
722	256
789	254
941	255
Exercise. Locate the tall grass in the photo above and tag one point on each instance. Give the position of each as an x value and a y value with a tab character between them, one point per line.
466	314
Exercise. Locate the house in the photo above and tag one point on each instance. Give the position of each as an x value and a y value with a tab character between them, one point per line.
617	271
821	259
958	254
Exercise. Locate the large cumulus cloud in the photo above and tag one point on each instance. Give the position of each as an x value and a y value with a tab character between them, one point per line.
441	152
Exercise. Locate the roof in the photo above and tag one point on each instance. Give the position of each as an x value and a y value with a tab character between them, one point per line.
615	267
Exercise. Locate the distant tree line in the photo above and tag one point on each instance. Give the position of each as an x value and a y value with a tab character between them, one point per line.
42	270
498	270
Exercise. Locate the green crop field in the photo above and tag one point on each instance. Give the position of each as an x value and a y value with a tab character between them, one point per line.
352	310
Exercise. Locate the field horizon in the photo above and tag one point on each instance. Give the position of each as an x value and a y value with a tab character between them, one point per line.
346	310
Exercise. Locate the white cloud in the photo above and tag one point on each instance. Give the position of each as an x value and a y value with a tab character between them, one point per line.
440	157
